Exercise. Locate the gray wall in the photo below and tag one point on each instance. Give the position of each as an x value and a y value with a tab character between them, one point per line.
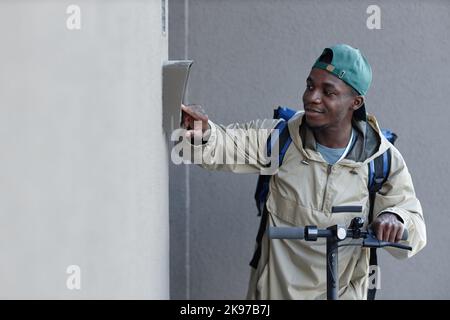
253	55
83	162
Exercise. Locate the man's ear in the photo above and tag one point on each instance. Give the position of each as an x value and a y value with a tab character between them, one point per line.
358	101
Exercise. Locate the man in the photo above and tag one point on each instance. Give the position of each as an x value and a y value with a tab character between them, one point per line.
324	167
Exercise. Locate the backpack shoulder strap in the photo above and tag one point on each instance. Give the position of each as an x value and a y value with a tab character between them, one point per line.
262	189
379	169
282	137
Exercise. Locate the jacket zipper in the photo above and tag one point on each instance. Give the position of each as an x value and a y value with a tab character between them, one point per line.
326	186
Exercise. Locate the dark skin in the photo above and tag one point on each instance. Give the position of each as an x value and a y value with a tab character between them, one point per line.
329	105
195	120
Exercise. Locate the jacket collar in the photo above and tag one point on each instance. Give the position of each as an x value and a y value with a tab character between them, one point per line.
370	142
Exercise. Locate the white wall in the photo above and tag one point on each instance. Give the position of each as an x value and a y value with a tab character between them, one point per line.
83	160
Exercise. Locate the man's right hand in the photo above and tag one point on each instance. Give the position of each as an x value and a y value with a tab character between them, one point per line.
195	121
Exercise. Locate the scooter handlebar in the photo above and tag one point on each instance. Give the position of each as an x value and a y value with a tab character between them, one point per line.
299	233
286	233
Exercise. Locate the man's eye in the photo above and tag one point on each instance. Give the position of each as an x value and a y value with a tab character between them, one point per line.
329	93
309	87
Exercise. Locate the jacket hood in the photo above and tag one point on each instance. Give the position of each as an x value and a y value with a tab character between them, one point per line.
370	141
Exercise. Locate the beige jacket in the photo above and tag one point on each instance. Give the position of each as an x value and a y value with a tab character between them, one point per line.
303	192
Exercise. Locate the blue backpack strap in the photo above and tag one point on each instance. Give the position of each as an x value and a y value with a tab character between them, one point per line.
262	189
379	169
284	139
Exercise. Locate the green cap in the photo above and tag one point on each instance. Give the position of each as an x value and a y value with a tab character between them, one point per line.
349	65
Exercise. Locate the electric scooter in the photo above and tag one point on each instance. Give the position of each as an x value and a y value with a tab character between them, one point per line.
335	234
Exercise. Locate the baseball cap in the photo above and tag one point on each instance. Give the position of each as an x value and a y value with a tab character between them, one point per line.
349	65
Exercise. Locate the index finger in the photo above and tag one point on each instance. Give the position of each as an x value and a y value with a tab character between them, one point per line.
193	113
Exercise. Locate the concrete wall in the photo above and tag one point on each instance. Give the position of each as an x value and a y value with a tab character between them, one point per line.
83	161
253	55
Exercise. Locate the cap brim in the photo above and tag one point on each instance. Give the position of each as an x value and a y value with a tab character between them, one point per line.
360	113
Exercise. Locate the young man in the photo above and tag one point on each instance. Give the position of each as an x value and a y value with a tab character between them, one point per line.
325	166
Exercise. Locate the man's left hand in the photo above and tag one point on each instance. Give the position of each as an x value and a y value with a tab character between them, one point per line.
388	227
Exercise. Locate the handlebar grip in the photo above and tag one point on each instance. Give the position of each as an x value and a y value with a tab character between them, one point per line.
286	233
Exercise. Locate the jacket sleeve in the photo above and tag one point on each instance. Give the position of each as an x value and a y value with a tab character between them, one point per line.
398	196
239	148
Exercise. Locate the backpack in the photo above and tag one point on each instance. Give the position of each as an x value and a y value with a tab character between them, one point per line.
379	169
